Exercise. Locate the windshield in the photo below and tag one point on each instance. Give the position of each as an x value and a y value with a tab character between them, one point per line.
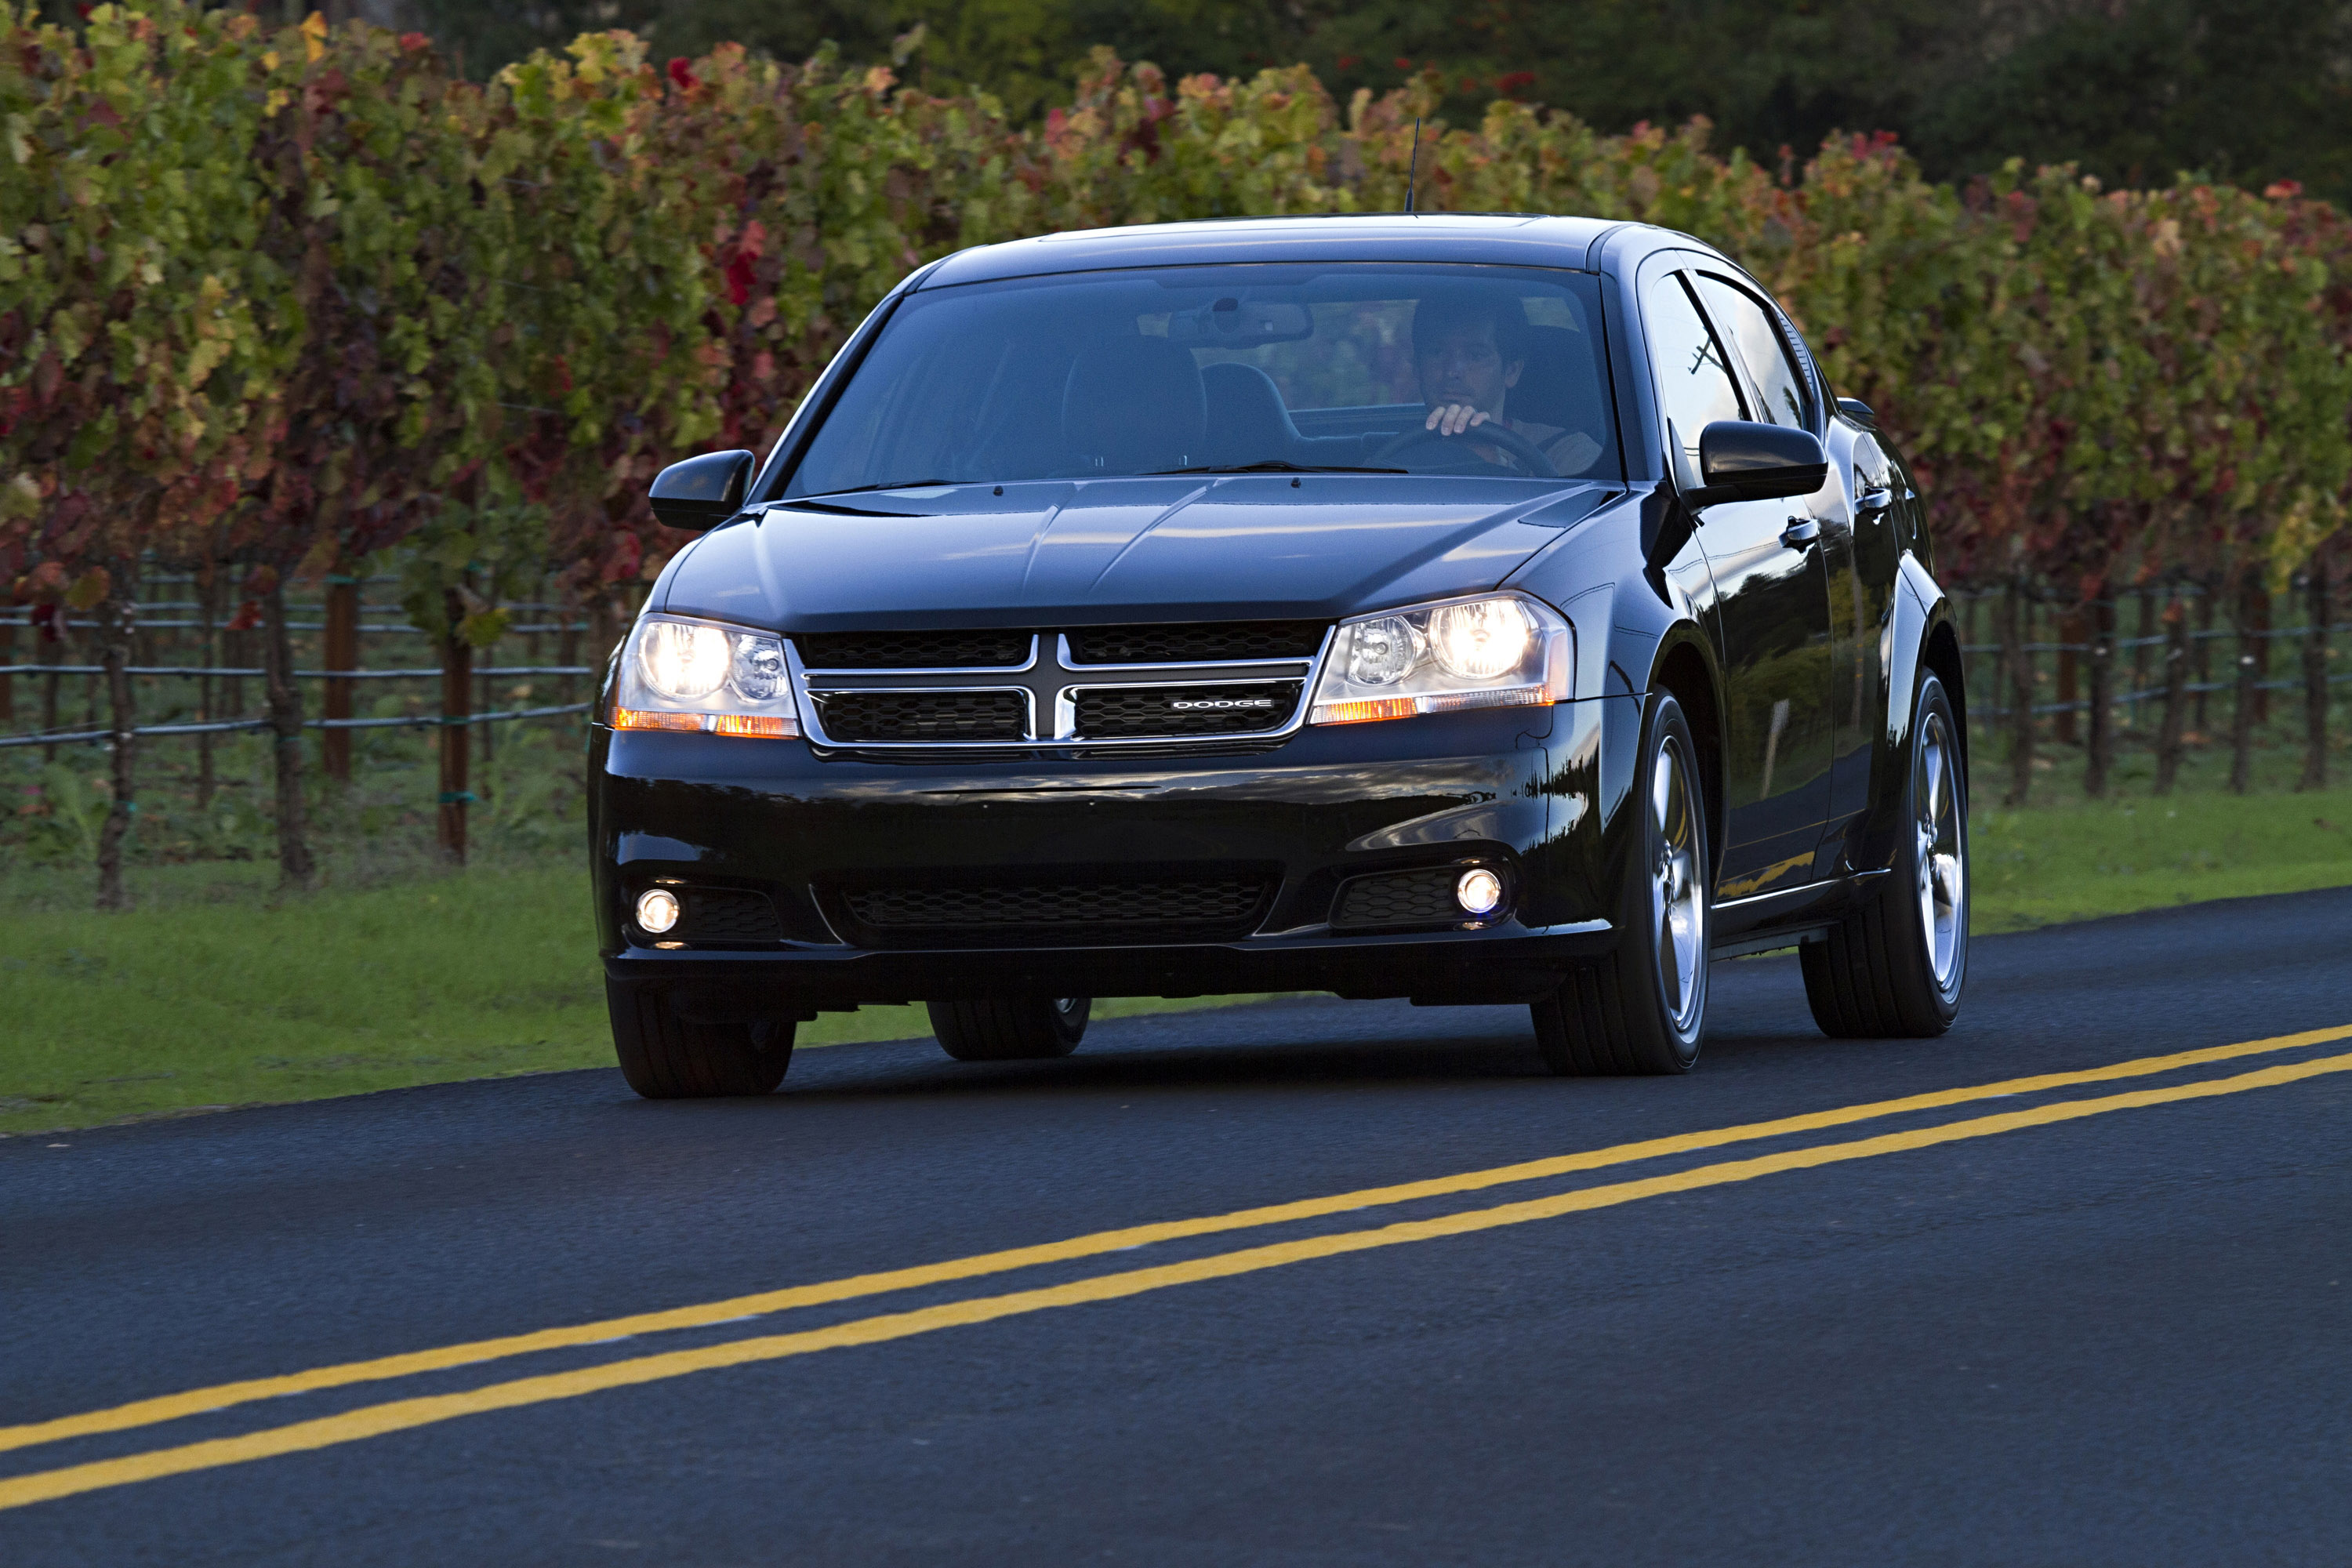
1422	369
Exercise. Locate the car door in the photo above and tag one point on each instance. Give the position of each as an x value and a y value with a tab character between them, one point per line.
1853	509
1771	614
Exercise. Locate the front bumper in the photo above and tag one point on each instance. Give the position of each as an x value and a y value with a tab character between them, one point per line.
1512	789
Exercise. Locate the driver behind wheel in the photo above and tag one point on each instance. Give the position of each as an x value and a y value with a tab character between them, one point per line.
1469	352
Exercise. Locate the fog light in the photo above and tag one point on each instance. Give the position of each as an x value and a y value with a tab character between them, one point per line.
1479	891
657	910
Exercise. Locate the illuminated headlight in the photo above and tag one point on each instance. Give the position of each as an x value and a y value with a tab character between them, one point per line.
1502	651
679	674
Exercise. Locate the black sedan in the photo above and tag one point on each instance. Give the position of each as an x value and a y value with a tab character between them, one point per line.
1466	609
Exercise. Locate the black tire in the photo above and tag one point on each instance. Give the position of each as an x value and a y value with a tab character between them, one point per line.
1643	1009
1011	1028
1894	968
666	1056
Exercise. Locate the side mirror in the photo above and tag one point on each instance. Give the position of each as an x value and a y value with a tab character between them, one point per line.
1740	461
703	492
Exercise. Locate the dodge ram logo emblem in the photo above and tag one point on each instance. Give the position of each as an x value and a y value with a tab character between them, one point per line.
1222	702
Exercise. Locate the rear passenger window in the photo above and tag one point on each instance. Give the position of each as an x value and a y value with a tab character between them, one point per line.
1695	383
1764	349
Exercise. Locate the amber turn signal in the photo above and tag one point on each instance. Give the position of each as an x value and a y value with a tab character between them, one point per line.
1375	708
762	725
640	718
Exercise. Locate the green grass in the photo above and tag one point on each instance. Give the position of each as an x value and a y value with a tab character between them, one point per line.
215	996
214	992
2081	860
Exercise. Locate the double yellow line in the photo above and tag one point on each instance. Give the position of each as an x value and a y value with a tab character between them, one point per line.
404	1415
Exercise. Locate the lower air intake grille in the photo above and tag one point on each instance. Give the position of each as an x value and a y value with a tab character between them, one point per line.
723	916
912	650
1207	642
853	716
1118	712
1210	906
1401	899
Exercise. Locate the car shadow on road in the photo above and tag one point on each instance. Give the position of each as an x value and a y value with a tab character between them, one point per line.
1257	1046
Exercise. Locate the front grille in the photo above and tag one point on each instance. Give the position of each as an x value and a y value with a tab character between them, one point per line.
725	916
853	716
913	650
1209	904
1401	899
1118	712
1205	642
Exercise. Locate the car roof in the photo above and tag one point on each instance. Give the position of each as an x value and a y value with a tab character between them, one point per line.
1524	239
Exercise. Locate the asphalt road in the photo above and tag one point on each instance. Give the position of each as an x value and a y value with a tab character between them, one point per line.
2102	1320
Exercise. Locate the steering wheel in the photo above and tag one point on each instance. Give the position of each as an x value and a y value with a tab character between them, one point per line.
1493	433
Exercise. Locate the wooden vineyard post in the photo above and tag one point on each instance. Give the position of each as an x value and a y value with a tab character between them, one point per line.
341	653
2069	634
7	681
117	616
2020	665
2258	622
209	642
2148	625
2176	697
2099	739
2244	712
295	862
456	708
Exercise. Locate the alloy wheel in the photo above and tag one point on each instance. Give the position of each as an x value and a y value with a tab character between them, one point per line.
1675	885
1940	860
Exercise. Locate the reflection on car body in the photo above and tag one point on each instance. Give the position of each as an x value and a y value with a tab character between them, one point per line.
1462	609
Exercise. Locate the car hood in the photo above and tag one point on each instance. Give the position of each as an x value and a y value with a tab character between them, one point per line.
1090	553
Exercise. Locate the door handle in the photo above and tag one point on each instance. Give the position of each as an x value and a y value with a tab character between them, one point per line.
1871	498
1800	531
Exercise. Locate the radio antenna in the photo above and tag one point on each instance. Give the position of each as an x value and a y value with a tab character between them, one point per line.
1412	170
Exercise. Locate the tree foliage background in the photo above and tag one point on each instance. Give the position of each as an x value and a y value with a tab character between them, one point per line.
277	300
2132	90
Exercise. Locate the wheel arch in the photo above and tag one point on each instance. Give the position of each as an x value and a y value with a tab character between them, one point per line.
1683	669
1942	656
1919	637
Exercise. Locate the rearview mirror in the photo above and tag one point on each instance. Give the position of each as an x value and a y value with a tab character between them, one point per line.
1741	462
1235	322
703	492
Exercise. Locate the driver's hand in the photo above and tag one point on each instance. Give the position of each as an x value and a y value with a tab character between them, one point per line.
1452	419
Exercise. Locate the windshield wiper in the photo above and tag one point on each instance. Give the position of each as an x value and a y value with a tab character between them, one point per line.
1278	465
893	485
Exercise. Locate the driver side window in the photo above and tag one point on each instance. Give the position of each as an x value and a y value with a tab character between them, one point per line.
1695	382
1779	382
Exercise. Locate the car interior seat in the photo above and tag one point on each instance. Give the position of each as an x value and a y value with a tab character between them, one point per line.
1561	385
1135	405
1250	423
1247	420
